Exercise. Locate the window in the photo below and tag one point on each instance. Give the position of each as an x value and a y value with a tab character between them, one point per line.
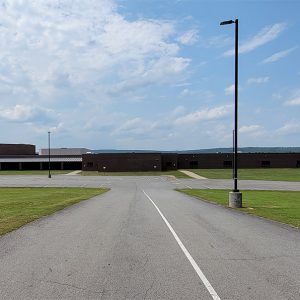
298	164
169	164
265	164
90	164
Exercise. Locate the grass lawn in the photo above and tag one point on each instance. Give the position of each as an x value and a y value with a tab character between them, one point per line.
282	206
292	174
177	174
34	172
19	206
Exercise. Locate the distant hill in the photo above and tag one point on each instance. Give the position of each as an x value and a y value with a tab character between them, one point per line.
212	150
125	151
247	150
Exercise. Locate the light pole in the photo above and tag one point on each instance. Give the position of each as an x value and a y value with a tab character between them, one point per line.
235	197
49	174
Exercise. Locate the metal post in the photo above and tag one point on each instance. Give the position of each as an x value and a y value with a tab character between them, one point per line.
49	175
233	154
236	108
235	197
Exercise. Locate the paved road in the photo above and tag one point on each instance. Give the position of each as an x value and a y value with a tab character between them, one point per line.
169	182
119	246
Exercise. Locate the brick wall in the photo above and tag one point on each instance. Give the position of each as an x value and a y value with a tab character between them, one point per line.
17	149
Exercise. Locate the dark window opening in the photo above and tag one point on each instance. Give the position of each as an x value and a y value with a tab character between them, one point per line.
169	164
265	164
227	164
90	164
298	164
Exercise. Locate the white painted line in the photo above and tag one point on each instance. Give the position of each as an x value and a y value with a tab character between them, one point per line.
188	187
205	281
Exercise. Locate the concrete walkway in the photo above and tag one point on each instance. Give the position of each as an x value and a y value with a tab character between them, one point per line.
74	172
192	174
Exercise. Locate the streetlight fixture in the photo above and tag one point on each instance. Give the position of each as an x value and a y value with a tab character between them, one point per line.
49	174
235	197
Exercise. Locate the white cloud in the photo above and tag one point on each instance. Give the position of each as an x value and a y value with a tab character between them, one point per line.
5	79
205	115
230	90
278	55
177	111
158	71
252	130
171	127
22	113
291	127
81	59
87	72
294	100
186	93
204	95
266	35
42	129
218	41
128	125
53	46
135	127
189	38
249	129
164	67
219	133
182	84
57	128
258	80
136	38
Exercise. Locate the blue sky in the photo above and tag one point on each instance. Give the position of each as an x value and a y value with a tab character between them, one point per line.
148	74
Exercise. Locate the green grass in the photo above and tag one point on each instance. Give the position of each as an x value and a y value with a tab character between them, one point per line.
177	174
281	206
19	206
33	172
275	174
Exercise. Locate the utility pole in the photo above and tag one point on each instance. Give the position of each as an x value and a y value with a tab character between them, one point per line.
235	197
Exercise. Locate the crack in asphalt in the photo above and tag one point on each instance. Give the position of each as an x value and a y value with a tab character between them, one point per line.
73	286
149	289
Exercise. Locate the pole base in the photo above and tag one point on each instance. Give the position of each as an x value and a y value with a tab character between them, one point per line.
49	176
235	199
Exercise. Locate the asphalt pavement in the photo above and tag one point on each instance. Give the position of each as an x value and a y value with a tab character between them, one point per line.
143	240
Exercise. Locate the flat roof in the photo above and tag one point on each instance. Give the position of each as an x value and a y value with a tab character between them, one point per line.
41	159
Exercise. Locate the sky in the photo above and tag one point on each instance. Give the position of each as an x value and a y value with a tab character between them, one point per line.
148	74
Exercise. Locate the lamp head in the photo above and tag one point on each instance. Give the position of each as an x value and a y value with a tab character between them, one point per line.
227	22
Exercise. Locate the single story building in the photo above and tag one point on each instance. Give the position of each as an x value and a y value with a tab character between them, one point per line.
41	162
119	162
24	157
245	160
